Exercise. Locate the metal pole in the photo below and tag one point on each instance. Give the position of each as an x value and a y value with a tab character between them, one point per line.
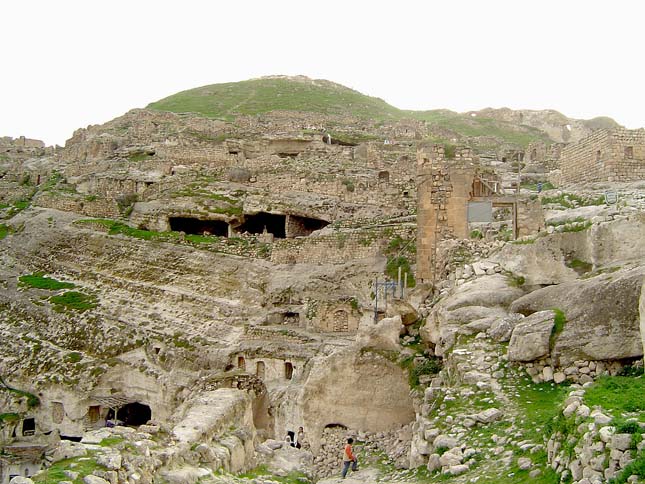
405	284
399	283
519	174
376	301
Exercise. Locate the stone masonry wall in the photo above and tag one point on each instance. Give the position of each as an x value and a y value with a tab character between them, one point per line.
616	155
102	208
329	249
442	191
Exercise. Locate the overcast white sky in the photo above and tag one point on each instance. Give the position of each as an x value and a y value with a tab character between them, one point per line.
68	63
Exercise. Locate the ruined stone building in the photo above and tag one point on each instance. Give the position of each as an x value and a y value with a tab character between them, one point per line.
605	155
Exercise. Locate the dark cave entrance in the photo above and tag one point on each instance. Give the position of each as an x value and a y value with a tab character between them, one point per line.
255	224
132	414
299	226
199	227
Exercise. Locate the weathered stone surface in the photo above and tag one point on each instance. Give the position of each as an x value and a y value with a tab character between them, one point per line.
67	449
621	441
486	291
92	479
383	335
21	480
530	338
601	316
109	460
444	441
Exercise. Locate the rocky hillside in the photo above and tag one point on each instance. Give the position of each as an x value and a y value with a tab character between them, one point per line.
187	284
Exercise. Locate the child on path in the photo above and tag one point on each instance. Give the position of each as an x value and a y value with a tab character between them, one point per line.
349	458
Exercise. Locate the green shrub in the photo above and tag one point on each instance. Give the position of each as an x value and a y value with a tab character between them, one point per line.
558	326
392	269
449	151
636	467
74	357
4	231
629	370
429	366
349	184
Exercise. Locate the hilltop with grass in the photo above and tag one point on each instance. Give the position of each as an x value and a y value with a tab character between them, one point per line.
259	96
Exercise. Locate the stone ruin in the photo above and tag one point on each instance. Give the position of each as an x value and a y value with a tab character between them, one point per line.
206	356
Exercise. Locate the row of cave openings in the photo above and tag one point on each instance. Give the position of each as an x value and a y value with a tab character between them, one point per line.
131	414
260	368
281	226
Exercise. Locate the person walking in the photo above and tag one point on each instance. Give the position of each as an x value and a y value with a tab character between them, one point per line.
349	458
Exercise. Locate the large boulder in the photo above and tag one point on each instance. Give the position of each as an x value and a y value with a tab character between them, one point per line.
482	300
530	338
602	321
487	291
383	335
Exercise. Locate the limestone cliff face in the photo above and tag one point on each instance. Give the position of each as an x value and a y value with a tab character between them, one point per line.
360	390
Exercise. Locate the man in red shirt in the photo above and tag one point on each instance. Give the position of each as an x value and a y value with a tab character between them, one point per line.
349	458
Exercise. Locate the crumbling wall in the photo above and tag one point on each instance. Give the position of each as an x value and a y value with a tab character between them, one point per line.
101	207
337	248
443	191
606	155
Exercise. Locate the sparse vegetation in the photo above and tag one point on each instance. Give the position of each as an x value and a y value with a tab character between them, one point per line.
73	300
39	281
4	231
558	325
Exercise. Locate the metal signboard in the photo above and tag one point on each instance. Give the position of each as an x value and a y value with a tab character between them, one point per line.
480	211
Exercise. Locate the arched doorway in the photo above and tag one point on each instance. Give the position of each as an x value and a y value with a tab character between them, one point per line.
260	369
288	370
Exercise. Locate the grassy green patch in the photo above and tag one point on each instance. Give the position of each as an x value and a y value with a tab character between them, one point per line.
263	471
39	281
515	281
73	300
571	200
636	467
74	357
111	441
56	473
258	96
580	266
617	394
4	231
32	400
9	417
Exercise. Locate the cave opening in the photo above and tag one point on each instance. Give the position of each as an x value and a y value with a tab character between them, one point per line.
71	438
298	226
132	414
200	227
255	224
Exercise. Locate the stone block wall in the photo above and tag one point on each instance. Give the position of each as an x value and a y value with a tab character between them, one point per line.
100	208
605	155
443	190
329	249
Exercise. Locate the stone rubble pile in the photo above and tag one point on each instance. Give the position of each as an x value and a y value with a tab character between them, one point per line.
395	445
596	451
